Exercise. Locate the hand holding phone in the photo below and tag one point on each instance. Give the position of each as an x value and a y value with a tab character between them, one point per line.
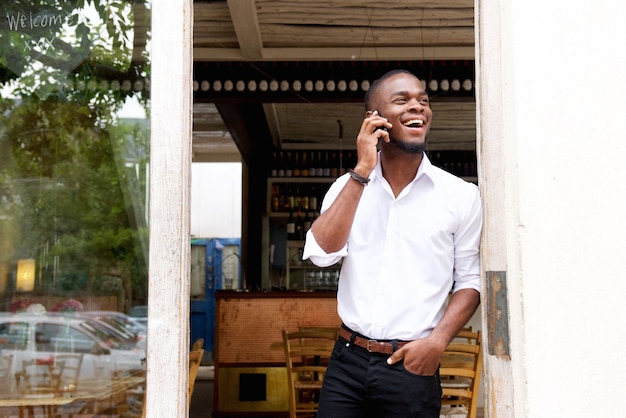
380	127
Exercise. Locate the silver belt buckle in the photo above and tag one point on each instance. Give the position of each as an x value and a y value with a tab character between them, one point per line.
369	342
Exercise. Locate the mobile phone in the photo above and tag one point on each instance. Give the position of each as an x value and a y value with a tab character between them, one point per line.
382	128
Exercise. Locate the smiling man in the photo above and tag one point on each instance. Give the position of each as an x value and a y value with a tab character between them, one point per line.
409	235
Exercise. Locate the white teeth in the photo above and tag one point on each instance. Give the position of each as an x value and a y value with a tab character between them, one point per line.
418	122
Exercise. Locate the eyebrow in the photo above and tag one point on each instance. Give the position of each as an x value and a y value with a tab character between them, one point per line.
406	93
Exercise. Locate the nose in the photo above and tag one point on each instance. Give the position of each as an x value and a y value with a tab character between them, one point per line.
416	105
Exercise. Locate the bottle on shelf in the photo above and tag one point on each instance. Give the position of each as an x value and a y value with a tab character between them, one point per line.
312	165
288	165
320	165
297	199
313	198
304	165
295	171
275	198
326	165
288	200
334	165
305	201
298	227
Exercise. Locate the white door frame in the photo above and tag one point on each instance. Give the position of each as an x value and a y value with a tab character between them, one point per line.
169	216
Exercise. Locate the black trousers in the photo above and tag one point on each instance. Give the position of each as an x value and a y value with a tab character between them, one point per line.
360	384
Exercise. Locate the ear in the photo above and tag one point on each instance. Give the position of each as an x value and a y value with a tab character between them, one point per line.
369	113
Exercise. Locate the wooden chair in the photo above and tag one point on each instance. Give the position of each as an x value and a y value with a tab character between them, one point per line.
195	358
198	344
71	370
460	372
307	354
38	378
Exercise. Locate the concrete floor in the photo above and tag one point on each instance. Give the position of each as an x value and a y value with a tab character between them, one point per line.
202	398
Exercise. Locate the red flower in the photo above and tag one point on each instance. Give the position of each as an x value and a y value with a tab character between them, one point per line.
68	305
20	305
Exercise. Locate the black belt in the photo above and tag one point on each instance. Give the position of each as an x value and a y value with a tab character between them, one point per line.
372	346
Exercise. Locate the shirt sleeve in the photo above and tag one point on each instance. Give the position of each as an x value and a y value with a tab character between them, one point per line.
467	247
312	250
318	256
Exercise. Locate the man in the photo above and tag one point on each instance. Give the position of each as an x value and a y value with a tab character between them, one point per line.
409	235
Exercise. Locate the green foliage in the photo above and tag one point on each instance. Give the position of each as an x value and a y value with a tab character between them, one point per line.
72	174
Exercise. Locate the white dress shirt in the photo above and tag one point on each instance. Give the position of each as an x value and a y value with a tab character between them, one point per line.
404	255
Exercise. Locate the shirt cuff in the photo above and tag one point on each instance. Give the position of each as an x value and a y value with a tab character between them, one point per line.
318	256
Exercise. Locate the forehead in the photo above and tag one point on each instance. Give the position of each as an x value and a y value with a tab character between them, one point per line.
402	83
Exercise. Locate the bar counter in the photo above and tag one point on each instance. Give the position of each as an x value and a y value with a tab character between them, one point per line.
250	374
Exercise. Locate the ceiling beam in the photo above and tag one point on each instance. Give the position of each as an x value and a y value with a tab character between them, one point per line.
248	127
246	23
273	124
332	53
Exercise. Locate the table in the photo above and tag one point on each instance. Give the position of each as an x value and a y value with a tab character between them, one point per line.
96	396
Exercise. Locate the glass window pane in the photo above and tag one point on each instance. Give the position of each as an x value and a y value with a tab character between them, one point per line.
74	158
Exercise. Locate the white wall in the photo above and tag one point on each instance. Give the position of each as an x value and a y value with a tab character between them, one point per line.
564	171
216	200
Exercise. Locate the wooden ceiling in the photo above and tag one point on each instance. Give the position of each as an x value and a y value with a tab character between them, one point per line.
292	73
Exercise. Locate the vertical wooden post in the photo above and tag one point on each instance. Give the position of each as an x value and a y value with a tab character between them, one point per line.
491	98
170	172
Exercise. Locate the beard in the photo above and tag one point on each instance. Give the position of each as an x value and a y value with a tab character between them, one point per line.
408	147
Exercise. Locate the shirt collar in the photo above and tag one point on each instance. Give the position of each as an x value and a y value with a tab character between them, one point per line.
426	168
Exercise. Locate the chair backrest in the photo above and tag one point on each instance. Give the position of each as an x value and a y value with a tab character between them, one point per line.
460	372
198	344
307	353
39	376
195	357
71	370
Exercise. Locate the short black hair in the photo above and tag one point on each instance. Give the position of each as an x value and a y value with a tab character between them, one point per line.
373	90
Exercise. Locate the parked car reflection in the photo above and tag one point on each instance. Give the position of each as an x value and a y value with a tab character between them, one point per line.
126	324
140	313
45	336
